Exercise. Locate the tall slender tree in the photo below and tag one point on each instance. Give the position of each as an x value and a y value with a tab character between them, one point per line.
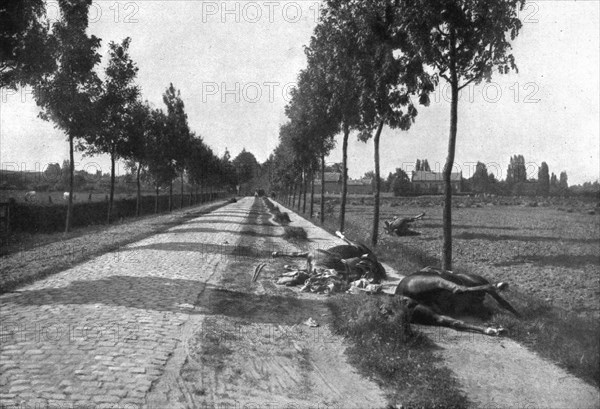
66	95
160	166
480	179
544	179
114	110
135	147
331	48
387	70
463	41
178	134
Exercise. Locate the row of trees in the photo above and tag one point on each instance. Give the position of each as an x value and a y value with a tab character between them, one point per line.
370	63
546	184
102	115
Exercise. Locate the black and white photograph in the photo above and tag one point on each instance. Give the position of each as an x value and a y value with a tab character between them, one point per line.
299	204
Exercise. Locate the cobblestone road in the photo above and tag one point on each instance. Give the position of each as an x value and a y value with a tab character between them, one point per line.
99	334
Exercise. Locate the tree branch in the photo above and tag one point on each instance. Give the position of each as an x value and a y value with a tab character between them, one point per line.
444	76
468	82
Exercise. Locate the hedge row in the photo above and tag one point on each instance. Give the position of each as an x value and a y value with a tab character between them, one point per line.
32	217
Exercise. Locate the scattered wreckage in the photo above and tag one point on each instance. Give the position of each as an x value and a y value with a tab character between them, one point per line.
429	294
336	269
401	226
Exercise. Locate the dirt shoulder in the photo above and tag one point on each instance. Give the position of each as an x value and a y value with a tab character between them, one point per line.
496	372
61	253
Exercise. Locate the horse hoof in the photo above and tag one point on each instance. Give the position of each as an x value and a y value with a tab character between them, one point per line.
494	331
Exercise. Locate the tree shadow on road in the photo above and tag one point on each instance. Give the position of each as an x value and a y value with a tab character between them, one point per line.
225	249
217	231
174	295
219	221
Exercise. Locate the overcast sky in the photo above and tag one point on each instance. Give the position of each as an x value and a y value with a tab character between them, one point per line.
235	62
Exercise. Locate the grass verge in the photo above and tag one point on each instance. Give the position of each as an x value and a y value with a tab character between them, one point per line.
561	336
294	233
403	362
280	217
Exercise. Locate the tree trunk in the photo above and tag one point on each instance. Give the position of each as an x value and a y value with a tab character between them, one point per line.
375	231
171	196
138	202
312	193
111	197
344	176
181	201
70	201
305	189
447	213
293	197
299	196
156	201
322	215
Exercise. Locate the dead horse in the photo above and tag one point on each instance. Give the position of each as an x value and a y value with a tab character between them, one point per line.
353	259
431	293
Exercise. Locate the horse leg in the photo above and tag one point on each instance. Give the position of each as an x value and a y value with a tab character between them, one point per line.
292	254
305	255
426	316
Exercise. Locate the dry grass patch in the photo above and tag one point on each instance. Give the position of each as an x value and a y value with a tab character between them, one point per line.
294	233
403	362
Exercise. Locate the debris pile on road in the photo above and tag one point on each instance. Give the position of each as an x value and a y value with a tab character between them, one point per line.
279	216
321	280
351	266
364	285
326	281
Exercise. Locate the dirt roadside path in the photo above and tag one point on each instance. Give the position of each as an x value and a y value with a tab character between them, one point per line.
493	372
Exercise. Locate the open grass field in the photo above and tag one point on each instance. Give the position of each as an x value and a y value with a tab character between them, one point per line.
543	252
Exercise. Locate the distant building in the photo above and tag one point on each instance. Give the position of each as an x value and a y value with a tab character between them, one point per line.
425	182
333	184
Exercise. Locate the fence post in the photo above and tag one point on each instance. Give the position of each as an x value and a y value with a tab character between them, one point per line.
5	216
